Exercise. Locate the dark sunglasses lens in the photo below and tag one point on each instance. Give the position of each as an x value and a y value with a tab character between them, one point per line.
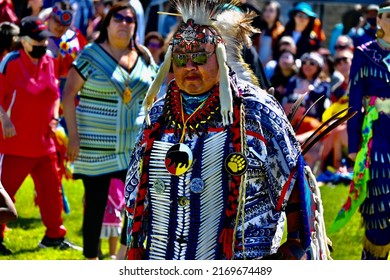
340	47
341	59
199	58
154	45
129	20
308	62
180	60
120	18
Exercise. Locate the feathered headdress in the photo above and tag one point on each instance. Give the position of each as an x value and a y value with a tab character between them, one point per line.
230	30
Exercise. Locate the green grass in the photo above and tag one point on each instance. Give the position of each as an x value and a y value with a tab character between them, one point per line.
25	233
347	242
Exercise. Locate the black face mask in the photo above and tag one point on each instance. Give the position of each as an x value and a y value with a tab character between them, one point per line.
38	51
371	21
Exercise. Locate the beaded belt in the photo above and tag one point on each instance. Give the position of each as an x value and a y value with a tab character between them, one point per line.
382	104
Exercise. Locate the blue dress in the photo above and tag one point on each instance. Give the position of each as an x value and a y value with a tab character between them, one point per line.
370	81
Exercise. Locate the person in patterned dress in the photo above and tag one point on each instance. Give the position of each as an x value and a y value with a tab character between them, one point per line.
111	77
369	141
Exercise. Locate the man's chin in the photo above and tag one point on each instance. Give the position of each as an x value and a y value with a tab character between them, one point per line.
192	89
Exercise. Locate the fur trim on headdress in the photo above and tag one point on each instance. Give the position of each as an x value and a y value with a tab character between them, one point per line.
203	12
237	32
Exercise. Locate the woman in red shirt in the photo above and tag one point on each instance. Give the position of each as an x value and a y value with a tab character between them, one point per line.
29	104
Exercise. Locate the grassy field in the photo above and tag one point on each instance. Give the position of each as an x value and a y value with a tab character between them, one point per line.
25	233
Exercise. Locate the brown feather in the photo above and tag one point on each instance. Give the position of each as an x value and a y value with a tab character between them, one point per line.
295	107
307	145
331	119
305	114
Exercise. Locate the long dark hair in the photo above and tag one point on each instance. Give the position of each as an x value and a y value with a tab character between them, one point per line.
103	36
277	19
8	31
290	25
350	18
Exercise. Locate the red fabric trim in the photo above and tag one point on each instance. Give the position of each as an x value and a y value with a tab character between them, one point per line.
136	254
143	186
284	190
257	135
226	237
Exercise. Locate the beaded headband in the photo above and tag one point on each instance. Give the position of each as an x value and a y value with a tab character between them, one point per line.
384	10
65	17
192	35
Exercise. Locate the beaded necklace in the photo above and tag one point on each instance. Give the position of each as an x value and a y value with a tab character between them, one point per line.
126	97
384	44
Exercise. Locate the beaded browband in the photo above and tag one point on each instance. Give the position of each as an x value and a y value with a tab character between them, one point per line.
384	10
191	35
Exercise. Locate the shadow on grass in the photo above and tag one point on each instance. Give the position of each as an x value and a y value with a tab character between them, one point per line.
24	251
25	223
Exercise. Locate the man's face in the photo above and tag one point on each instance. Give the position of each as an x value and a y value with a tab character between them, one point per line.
343	62
190	76
371	17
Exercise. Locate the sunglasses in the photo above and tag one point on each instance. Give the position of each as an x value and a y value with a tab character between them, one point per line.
341	59
340	47
118	18
200	58
309	62
154	45
301	15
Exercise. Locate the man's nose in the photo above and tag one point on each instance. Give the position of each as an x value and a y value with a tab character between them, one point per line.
190	64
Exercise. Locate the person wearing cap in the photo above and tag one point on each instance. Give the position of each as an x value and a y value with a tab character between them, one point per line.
209	177
308	81
29	102
371	26
369	141
301	26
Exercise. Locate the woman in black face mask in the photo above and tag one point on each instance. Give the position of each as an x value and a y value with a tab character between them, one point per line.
35	49
29	108
34	37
